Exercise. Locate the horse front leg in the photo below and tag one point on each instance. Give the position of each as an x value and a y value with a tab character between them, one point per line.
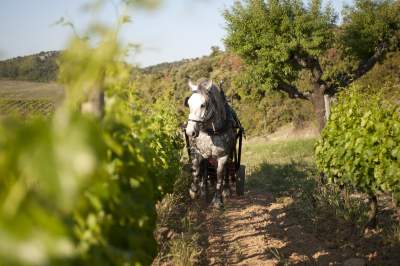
217	201
194	187
226	192
203	179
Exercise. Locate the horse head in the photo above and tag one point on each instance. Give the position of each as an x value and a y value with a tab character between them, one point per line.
207	107
200	110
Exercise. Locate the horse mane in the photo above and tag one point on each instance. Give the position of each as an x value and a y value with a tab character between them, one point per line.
215	95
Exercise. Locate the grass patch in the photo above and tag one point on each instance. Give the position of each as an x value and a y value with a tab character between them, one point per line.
343	204
185	250
283	167
279	152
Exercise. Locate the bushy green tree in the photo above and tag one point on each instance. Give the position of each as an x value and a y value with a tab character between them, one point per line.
281	40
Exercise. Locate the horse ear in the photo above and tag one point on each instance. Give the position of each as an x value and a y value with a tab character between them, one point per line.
209	85
192	86
186	101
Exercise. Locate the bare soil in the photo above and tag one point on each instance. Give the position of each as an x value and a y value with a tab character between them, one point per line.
259	229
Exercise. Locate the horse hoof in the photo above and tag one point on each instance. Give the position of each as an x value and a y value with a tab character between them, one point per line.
193	194
194	191
202	190
226	193
217	203
202	193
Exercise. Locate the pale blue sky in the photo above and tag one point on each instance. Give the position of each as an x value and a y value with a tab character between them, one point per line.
178	29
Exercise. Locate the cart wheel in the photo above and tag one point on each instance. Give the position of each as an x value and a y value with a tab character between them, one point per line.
240	176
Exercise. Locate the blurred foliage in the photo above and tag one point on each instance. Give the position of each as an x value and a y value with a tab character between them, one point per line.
44	169
76	190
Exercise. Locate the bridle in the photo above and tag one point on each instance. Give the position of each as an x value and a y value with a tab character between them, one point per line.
208	114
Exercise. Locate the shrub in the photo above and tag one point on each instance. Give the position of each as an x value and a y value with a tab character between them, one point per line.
360	145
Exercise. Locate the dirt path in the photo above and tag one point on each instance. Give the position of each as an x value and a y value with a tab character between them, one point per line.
237	234
257	230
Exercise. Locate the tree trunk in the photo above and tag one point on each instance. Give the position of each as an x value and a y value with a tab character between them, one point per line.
327	99
318	101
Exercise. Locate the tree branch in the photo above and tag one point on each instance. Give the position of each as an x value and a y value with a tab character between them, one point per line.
368	64
314	66
305	61
346	79
292	91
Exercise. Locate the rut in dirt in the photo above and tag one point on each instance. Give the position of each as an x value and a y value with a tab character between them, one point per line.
237	234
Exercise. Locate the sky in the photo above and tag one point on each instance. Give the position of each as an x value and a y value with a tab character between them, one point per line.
177	29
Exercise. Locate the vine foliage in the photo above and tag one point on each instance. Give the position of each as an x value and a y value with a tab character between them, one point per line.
360	146
79	190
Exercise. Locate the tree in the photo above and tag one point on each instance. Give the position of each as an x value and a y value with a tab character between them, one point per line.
283	40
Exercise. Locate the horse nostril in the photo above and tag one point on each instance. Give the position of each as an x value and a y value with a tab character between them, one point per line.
193	134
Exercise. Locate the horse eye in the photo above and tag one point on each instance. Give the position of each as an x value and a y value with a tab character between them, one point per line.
202	106
186	103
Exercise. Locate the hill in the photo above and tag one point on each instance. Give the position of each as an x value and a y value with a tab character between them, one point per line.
37	67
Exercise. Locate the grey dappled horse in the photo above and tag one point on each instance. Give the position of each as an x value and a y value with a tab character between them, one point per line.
211	134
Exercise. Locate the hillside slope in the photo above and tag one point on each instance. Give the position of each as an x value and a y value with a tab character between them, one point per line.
37	67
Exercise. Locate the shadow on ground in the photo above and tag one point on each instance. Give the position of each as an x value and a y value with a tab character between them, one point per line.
296	234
